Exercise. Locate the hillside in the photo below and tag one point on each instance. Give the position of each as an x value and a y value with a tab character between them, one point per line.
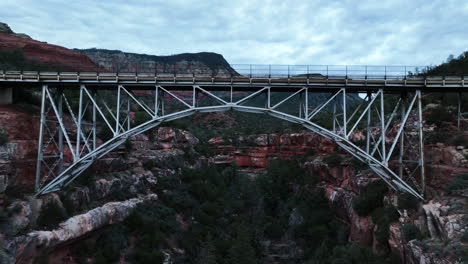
198	63
453	67
20	52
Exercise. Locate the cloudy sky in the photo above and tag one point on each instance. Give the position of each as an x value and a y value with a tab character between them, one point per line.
385	32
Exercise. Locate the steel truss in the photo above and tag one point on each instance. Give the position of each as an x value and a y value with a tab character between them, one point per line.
391	144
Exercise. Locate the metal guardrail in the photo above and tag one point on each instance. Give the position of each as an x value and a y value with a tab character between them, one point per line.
360	71
260	71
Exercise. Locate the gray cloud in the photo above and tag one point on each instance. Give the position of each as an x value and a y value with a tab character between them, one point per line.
370	32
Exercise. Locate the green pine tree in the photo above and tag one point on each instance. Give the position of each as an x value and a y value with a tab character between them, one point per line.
241	250
207	253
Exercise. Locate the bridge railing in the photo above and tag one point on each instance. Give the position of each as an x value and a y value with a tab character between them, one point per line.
350	71
256	71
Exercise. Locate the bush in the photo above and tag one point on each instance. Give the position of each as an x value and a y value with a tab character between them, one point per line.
407	201
142	256
464	236
370	199
460	141
459	183
111	244
105	134
128	145
333	160
411	231
3	138
51	215
437	137
140	118
438	116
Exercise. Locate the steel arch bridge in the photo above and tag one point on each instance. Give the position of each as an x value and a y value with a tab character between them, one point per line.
386	109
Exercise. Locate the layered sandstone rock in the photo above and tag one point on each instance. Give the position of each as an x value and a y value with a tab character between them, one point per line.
25	248
257	150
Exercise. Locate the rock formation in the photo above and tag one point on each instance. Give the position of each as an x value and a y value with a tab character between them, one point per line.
43	52
203	63
25	248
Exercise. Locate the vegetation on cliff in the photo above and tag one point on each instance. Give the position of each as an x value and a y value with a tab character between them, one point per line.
219	215
452	67
14	60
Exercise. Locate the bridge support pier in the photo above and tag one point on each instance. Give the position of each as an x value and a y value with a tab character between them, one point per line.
6	96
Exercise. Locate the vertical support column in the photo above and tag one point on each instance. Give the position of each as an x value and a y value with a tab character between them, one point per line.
268	98
60	132
306	109
421	144
345	121
161	98
128	114
459	115
334	115
382	127
117	113
156	101
41	139
78	126
94	120
194	97
402	137
369	117
300	105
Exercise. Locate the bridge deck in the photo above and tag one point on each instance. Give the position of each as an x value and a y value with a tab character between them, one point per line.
356	83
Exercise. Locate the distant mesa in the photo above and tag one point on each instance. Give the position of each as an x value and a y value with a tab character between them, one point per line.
186	63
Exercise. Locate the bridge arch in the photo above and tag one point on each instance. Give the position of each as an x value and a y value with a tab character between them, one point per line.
85	151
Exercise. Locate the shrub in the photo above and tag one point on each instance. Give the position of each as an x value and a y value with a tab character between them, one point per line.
143	256
437	137
334	160
407	201
370	199
460	141
464	236
51	215
128	145
411	231
140	118
105	134
3	215
149	164
382	217
438	116
459	183
358	165
3	138
111	244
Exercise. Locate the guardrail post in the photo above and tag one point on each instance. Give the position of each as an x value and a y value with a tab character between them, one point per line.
288	71
269	71
250	70
385	73
366	73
